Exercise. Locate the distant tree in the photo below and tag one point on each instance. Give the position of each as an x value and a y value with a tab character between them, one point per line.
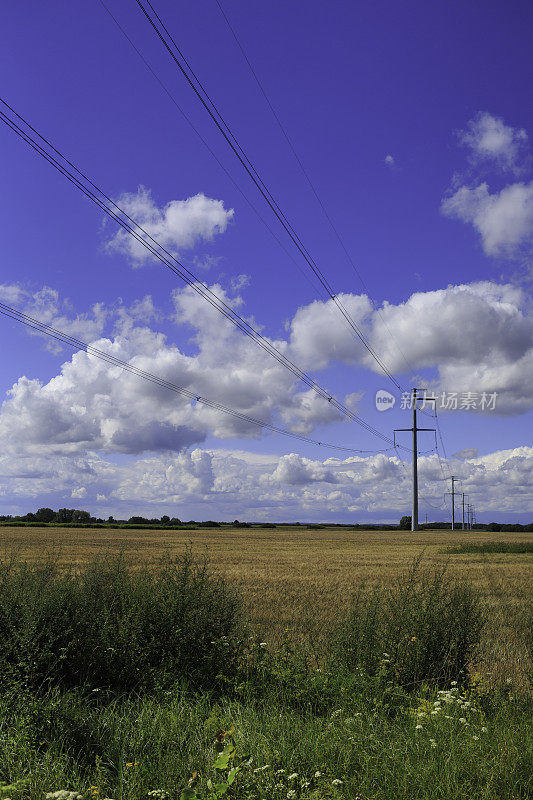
405	523
494	526
165	520
45	515
80	516
110	519
72	515
138	521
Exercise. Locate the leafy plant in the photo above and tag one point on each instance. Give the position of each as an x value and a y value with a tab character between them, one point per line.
424	629
105	626
225	771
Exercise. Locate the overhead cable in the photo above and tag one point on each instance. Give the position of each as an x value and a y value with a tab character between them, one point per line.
114	361
187	71
49	152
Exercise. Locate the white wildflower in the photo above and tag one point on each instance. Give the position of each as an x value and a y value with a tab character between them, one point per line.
318	774
462	719
418	727
433	742
475	737
484	729
453	683
293	776
336	782
291	793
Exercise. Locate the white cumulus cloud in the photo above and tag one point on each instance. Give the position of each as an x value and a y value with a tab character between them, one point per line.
489	138
503	219
178	225
225	484
46	306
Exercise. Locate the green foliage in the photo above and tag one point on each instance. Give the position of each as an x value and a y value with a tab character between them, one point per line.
424	629
224	768
479	746
106	627
405	524
491	547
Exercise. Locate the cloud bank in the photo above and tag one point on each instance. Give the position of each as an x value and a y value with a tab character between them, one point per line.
226	484
476	337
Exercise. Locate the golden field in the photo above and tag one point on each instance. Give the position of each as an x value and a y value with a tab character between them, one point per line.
299	579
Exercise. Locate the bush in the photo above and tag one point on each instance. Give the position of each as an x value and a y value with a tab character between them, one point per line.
424	629
105	626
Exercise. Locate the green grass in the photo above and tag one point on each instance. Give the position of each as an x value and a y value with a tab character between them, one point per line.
69	741
491	547
143	685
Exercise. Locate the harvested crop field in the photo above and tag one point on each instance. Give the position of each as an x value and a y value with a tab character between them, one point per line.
298	579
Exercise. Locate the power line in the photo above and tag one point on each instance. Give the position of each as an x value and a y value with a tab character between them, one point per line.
307	178
314	286
106	204
187	71
406	471
109	358
240	190
202	94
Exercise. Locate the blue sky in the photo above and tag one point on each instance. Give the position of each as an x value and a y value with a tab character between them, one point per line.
413	123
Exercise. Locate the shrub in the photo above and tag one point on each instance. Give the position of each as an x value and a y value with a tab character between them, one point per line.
424	629
105	626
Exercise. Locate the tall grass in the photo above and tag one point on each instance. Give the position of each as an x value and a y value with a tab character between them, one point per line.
491	547
105	627
129	747
108	677
425	628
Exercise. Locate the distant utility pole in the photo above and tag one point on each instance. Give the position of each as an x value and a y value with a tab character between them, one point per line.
464	510
414	430
469	516
453	480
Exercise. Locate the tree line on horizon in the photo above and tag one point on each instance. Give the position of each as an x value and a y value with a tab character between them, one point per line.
74	516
